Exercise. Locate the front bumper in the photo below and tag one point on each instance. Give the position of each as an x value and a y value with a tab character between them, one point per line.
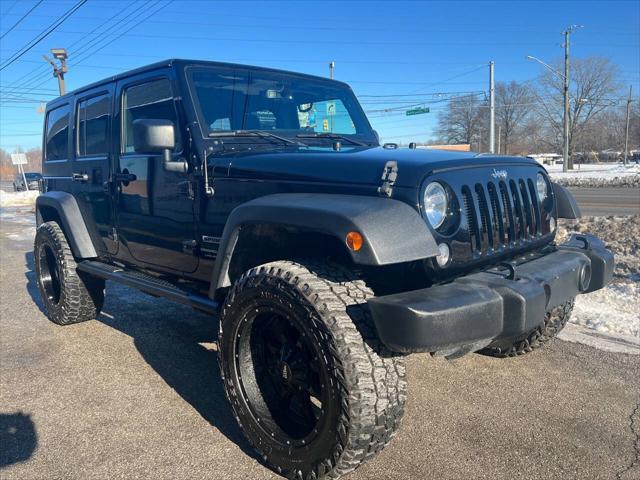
491	307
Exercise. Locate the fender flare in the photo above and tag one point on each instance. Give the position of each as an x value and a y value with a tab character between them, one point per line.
72	221
566	205
393	231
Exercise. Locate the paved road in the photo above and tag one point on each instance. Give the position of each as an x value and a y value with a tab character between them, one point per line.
136	394
608	201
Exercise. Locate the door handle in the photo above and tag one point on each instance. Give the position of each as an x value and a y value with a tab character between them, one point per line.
80	177
124	177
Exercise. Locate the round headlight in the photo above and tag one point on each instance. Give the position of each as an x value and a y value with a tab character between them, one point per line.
541	186
435	204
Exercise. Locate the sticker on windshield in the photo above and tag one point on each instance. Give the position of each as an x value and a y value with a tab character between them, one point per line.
331	108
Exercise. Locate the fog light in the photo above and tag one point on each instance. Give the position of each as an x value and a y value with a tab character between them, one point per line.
552	224
443	257
584	279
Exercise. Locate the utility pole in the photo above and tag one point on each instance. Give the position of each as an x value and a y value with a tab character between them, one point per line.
565	121
59	54
499	138
492	110
626	130
567	163
332	65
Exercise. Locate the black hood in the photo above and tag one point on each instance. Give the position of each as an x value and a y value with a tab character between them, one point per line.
359	165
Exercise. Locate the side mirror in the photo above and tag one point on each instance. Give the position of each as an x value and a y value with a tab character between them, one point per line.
152	135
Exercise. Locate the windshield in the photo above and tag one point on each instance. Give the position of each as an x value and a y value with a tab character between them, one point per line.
229	100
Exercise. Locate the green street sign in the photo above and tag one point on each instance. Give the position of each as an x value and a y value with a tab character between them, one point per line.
417	111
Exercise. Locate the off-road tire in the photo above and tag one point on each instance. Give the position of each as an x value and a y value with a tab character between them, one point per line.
368	384
554	322
78	297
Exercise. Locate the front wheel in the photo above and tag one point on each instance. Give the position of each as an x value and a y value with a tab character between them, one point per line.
554	322
309	383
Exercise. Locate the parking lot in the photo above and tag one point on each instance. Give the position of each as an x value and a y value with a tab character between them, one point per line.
137	394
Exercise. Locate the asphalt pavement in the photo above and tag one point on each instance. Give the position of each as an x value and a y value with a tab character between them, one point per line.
137	394
607	200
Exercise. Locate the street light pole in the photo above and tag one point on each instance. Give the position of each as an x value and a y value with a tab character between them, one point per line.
332	65
566	161
59	54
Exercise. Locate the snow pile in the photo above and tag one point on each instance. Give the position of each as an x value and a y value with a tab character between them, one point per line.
13	199
616	308
597	175
621	235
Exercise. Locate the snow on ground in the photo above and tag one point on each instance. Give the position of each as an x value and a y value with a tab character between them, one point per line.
12	199
616	308
18	223
596	175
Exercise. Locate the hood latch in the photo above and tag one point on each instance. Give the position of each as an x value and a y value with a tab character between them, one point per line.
389	175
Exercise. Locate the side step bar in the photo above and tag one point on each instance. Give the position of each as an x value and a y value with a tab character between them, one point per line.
148	285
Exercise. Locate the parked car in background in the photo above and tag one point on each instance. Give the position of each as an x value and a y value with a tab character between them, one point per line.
33	181
586	157
610	155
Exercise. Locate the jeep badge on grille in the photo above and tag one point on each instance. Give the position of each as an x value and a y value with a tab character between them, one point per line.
499	174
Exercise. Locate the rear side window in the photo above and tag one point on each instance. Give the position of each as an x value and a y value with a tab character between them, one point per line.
152	100
93	125
57	135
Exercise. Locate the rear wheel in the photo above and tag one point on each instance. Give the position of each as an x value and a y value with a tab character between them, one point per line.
68	296
309	383
554	322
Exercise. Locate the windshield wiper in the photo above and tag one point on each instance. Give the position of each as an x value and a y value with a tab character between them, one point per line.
333	136
255	133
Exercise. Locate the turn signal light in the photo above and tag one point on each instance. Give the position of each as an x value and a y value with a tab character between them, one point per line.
354	241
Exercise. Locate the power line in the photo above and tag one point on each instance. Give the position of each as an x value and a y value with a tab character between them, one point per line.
101	47
42	36
43	69
348	42
469	27
131	16
21	19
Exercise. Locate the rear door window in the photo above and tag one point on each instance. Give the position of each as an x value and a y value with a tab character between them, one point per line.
57	134
93	126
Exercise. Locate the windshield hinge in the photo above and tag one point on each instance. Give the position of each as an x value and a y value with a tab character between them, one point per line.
389	175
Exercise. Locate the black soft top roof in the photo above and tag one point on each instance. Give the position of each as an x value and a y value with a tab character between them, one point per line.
178	63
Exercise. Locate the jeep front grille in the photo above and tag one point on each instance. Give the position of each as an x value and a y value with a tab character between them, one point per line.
501	214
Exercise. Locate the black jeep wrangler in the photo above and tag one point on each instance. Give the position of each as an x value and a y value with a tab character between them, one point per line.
264	198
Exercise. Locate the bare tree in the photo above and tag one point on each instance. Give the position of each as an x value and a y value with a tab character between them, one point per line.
461	121
513	106
593	84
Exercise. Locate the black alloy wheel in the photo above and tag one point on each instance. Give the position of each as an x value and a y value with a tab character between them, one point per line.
309	383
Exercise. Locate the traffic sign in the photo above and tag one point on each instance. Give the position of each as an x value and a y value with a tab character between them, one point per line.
18	159
417	111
